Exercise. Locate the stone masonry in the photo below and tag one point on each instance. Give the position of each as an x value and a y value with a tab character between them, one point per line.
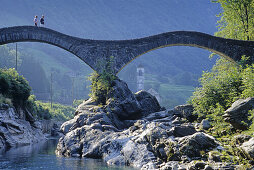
96	52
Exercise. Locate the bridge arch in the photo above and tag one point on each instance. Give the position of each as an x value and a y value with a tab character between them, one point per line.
41	35
94	52
186	45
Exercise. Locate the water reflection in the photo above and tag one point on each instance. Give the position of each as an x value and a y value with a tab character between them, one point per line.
42	156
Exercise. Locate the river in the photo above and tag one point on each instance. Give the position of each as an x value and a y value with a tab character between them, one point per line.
42	156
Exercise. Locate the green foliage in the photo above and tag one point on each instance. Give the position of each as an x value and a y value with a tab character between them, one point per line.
5	100
226	83
58	111
14	86
102	83
44	111
37	109
237	19
100	86
220	87
76	103
248	82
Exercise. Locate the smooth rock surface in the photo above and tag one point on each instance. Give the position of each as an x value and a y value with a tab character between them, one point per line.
205	124
16	131
248	147
238	114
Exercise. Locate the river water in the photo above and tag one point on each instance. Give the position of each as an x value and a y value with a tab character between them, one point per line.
42	156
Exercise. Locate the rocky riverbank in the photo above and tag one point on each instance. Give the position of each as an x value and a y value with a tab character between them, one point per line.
18	128
132	129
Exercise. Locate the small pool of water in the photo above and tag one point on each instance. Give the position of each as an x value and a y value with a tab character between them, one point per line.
42	156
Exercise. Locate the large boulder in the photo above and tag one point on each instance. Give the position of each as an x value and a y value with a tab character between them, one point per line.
238	113
15	131
183	130
185	111
248	147
148	102
193	144
205	124
122	101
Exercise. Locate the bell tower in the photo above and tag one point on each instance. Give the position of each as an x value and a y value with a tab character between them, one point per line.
140	77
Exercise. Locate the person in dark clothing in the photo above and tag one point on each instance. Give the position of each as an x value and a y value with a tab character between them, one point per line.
42	21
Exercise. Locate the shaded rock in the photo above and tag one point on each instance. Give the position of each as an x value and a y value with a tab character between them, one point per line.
248	147
122	102
183	130
55	130
207	167
193	144
172	165
239	139
18	133
238	113
195	165
65	127
148	102
214	156
186	111
205	124
87	105
15	131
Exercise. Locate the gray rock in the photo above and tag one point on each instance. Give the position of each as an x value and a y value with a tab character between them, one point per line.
193	144
200	165
146	142
185	111
55	130
66	126
16	132
18	129
122	102
148	102
214	156
238	113
183	130
248	147
239	139
205	124
207	167
172	165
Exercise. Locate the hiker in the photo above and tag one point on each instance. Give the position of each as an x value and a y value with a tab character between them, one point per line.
35	20
42	21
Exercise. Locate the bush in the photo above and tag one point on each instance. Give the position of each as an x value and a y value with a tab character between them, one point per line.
14	86
226	83
58	111
42	110
102	83
100	86
37	109
5	100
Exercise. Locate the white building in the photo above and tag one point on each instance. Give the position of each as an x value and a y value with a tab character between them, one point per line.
140	78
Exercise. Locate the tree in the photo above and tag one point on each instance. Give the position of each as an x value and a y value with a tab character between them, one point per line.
237	19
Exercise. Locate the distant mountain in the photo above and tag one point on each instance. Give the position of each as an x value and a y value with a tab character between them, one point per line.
115	20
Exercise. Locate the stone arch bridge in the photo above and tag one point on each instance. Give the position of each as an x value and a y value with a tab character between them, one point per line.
96	53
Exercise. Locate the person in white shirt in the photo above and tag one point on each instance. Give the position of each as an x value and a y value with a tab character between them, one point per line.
35	20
